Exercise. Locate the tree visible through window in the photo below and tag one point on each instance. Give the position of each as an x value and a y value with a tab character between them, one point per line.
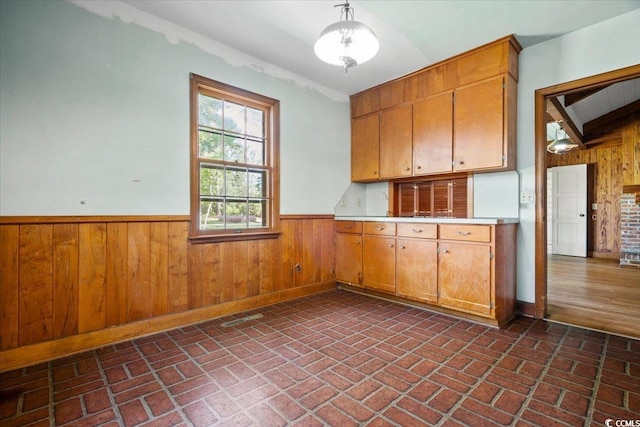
234	161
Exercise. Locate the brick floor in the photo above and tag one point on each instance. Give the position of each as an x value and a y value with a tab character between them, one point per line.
338	359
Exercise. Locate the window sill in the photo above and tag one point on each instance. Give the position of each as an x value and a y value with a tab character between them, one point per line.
216	238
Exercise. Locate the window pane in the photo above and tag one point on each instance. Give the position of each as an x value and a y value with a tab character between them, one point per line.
257	180
257	214
210	145
211	215
211	180
234	117
236	183
209	111
255	122
233	149
236	214
255	152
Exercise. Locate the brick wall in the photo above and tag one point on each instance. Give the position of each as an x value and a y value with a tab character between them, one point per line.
630	230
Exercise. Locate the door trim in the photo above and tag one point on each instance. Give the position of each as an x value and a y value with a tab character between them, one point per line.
540	170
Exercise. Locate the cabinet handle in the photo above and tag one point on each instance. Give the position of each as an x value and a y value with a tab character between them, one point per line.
402	247
349	227
375	172
379	228
408	169
391	245
358	242
464	233
418	167
446	251
416	231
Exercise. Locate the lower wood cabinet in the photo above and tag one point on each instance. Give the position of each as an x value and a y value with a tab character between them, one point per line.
349	258
348	252
468	268
464	274
416	276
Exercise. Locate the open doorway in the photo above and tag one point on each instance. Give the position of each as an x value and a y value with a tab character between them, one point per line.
573	271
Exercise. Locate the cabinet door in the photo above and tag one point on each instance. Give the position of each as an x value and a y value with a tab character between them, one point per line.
417	269
349	258
464	277
365	141
479	126
396	132
379	263
433	134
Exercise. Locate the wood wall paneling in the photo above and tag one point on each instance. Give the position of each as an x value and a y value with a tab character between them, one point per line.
117	273
65	279
73	277
92	277
177	269
614	165
35	284
9	285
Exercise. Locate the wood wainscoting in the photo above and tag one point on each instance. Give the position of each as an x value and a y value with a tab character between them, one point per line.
69	284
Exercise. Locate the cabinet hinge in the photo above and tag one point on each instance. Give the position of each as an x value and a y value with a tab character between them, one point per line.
490	255
491	305
504	157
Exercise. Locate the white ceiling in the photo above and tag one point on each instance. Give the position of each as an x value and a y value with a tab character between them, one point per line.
412	34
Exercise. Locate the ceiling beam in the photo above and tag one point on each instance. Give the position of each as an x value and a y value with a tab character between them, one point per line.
559	114
572	98
592	126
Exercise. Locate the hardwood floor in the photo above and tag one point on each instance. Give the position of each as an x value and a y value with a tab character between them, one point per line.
594	293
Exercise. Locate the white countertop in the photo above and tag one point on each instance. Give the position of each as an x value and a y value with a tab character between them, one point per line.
489	221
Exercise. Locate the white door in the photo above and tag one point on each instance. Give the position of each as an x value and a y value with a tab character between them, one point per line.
569	207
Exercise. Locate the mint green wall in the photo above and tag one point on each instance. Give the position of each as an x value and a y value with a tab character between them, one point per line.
94	116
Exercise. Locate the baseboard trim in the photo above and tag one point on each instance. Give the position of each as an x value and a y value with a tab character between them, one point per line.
33	354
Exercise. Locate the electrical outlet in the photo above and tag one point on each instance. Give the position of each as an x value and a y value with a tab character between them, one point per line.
526	197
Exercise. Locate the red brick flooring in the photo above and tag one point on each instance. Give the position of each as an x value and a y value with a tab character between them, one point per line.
338	359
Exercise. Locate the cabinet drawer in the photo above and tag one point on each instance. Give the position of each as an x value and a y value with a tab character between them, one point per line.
471	233
349	227
425	231
380	228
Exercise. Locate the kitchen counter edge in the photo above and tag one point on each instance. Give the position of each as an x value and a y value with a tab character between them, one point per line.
489	221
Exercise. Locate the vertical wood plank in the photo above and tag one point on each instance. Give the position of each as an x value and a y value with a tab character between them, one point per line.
287	249
9	291
268	265
253	268
328	251
177	280
92	293
139	269
117	273
604	202
636	151
616	192
65	280
204	275
308	252
36	283
240	270
159	259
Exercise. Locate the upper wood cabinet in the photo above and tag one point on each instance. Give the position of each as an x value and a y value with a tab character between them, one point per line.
365	148
433	134
463	117
396	136
479	123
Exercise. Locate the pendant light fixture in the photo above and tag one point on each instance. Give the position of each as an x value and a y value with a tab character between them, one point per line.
347	42
561	146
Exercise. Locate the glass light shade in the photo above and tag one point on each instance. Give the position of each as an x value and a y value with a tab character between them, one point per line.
346	43
561	146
